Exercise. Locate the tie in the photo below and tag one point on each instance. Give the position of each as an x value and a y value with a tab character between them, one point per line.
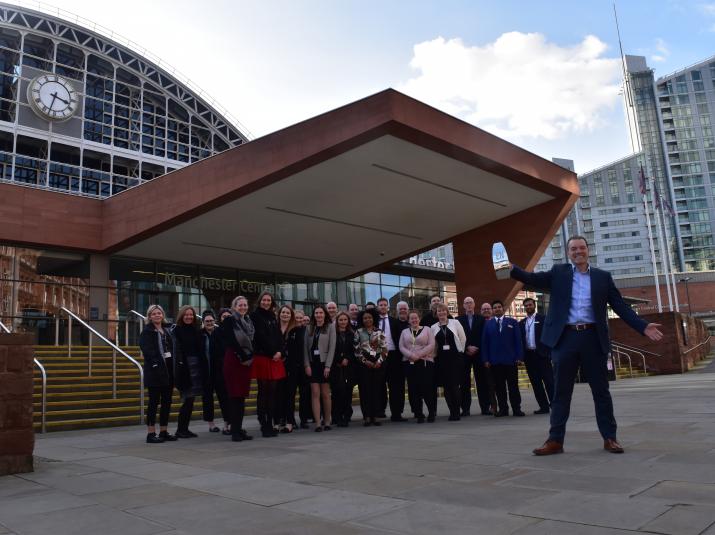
382	324
470	321
499	321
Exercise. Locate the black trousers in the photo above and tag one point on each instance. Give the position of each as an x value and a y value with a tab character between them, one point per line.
506	376
450	368
159	395
238	409
187	408
266	399
305	409
372	380
421	387
341	391
485	393
395	378
288	389
541	377
215	384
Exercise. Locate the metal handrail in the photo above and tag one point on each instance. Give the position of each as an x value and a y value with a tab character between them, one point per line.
37	363
639	353
697	346
126	324
115	349
635	348
630	362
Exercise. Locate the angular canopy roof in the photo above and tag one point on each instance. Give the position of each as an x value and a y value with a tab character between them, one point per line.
337	195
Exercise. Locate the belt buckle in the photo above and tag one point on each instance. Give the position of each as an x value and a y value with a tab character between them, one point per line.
580	326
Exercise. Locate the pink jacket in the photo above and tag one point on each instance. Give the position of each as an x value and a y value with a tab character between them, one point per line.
420	347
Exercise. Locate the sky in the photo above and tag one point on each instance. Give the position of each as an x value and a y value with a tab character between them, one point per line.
544	75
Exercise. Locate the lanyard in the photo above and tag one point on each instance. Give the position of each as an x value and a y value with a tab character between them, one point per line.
415	334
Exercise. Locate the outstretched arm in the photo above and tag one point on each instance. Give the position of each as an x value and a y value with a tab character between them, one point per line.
541	279
625	312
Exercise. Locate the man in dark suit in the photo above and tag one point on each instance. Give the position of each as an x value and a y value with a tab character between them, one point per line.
536	357
501	353
576	331
394	371
473	324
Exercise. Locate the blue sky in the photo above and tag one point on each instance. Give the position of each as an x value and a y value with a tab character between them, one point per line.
543	75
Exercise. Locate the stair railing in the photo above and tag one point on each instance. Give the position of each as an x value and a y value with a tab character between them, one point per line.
115	349
618	352
37	363
697	346
637	352
138	316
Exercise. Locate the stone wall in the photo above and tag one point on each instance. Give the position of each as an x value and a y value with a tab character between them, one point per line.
680	349
17	438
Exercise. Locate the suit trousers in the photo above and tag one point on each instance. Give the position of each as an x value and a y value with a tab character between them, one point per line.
506	376
482	384
421	387
580	348
341	390
541	377
395	377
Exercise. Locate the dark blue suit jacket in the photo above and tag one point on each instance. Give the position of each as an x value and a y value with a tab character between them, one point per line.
474	335
559	281
502	347
541	349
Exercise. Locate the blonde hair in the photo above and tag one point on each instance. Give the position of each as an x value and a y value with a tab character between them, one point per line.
236	300
441	306
151	309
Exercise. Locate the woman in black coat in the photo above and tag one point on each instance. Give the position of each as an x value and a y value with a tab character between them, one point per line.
268	366
157	347
341	375
187	366
212	340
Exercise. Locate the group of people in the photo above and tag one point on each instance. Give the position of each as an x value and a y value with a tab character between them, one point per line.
318	360
321	358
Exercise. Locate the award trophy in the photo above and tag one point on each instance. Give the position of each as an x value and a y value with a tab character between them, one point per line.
500	259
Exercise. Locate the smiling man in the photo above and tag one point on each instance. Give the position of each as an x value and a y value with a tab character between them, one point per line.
576	330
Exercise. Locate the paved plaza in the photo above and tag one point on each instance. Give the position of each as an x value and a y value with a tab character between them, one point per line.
473	476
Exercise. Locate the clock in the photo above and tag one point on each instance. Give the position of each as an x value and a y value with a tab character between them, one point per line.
52	97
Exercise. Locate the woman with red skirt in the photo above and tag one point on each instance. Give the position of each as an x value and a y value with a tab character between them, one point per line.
238	332
268	368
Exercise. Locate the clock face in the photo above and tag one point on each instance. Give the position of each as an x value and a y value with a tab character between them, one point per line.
52	97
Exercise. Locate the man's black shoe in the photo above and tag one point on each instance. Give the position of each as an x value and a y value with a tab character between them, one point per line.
519	412
464	413
500	414
431	418
185	434
542	411
487	413
397	419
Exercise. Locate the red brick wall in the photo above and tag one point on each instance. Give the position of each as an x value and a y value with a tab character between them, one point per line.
675	355
702	297
17	438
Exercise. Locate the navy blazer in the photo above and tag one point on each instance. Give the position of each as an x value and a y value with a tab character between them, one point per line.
502	347
541	349
559	281
474	335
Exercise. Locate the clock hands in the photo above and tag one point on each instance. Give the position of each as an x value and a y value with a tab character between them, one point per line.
56	96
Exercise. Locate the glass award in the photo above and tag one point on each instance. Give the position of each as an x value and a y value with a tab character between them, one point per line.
500	260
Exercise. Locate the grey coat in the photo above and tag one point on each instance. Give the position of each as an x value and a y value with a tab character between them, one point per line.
326	346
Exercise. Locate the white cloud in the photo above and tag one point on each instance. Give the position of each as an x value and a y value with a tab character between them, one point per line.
520	85
662	50
708	9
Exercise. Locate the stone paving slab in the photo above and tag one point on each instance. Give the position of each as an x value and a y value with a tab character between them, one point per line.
472	476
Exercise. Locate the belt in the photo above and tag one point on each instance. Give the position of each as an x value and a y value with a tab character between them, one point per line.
580	326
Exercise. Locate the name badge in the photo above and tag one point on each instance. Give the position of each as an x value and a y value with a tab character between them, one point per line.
316	352
373	352
446	347
167	355
510	326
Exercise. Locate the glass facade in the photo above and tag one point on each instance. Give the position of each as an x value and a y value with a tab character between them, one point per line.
35	283
134	122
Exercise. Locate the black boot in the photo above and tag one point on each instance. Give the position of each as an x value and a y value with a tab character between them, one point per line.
164	435
151	438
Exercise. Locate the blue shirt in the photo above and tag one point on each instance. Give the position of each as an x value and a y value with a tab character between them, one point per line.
580	310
